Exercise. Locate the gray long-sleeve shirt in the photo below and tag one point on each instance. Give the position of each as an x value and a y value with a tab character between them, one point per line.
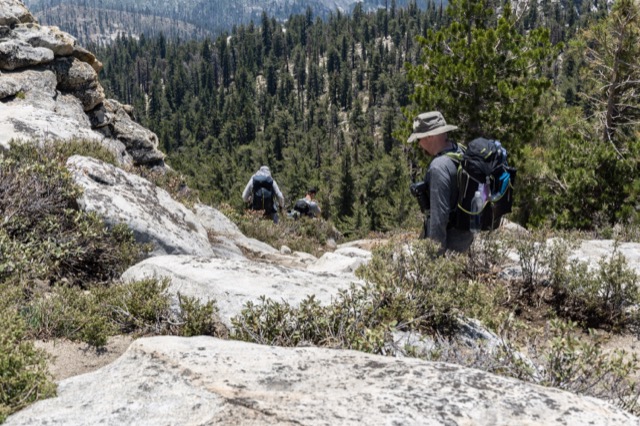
443	194
442	176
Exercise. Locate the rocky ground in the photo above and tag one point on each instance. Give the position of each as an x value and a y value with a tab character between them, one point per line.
203	380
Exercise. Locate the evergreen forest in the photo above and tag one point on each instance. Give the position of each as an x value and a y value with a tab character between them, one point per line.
329	102
99	21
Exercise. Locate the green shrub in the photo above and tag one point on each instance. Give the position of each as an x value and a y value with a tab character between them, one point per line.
487	254
348	323
581	367
139	307
557	356
596	297
197	319
626	232
31	192
305	234
23	369
60	151
534	254
567	361
67	312
45	236
428	291
406	289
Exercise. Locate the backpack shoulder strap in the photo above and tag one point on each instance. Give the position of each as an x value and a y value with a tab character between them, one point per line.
455	156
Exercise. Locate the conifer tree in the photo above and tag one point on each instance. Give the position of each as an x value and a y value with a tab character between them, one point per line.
346	196
612	74
482	74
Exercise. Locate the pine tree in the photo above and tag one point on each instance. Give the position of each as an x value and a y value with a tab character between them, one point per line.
612	74
483	75
388	120
346	195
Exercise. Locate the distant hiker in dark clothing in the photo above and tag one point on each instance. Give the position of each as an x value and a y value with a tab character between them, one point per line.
262	191
441	185
307	206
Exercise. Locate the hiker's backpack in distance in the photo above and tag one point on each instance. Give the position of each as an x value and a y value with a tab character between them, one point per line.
483	167
302	207
263	194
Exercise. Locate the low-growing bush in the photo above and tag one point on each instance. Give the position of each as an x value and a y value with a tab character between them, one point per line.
304	234
140	307
24	378
597	297
487	254
197	319
407	288
534	254
346	324
60	150
44	235
565	360
558	356
427	290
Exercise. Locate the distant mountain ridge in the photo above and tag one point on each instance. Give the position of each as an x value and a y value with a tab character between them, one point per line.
99	21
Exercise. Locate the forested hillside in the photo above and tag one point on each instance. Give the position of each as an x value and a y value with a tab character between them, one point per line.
100	21
326	103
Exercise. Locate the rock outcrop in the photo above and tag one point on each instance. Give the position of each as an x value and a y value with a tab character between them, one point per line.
154	217
80	80
113	120
202	380
14	12
234	282
50	90
591	251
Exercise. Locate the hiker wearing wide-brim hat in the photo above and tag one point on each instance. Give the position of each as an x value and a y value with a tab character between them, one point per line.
429	124
440	185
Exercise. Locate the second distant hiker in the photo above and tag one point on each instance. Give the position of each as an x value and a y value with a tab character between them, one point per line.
263	193
307	206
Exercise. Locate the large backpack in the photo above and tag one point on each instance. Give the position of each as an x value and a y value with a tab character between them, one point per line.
263	194
302	207
483	167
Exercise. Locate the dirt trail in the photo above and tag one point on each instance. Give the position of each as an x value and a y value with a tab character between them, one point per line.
71	359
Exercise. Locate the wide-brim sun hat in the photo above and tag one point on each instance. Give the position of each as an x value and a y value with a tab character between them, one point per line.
429	124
